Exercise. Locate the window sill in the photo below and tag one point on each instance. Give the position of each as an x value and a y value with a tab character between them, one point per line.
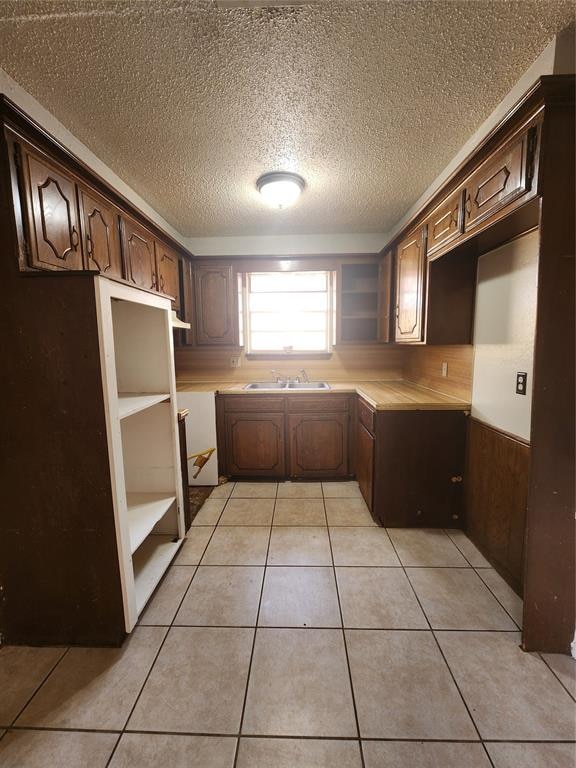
288	355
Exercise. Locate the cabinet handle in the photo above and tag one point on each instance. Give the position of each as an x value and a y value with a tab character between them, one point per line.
456	479
74	239
89	245
468	205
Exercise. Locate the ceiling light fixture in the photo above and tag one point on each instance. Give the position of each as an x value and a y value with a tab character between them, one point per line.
280	188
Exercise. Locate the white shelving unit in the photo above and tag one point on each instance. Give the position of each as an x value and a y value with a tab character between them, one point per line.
144	511
130	403
135	336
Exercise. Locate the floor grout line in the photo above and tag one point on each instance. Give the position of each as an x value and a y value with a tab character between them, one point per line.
237	751
39	686
363	762
443	656
476	568
169	627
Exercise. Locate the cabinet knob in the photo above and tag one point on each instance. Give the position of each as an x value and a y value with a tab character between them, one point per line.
456	479
89	245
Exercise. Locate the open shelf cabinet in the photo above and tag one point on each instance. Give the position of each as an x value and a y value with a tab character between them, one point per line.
359	303
135	338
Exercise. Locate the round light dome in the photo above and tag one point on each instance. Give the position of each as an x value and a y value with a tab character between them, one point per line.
280	189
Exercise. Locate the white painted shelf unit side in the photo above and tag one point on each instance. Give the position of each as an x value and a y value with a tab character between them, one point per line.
136	349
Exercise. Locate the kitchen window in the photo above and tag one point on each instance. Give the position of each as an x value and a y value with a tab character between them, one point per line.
287	312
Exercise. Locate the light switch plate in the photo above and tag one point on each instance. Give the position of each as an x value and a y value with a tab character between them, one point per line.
234	362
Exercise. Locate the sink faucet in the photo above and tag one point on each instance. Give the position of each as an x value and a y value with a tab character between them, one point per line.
278	378
305	378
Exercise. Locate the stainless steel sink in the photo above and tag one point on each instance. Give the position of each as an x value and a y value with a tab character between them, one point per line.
288	385
266	385
308	385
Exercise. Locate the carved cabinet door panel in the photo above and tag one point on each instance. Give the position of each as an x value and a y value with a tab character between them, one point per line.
101	234
216	309
445	224
255	444
318	445
499	181
410	264
51	213
139	255
167	266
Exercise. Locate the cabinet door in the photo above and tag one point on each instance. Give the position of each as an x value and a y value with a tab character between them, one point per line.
318	445
419	466
216	310
167	267
254	444
101	235
139	258
499	181
410	263
365	463
51	213
445	224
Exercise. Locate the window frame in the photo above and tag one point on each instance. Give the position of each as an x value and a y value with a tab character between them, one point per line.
244	318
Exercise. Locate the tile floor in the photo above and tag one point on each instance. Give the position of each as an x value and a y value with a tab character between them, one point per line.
291	632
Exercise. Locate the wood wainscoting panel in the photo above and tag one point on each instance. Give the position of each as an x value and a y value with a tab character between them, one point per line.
497	476
423	365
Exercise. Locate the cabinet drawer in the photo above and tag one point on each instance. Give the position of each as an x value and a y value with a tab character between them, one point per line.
324	403
366	416
498	182
253	403
445	223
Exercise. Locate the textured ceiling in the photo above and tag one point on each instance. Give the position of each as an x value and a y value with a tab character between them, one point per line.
190	103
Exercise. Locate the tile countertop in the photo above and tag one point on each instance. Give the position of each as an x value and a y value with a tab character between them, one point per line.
381	395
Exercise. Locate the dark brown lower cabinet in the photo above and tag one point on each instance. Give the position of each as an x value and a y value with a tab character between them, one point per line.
419	468
318	445
365	463
302	436
497	475
255	444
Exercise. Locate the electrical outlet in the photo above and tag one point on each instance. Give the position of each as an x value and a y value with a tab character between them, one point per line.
444	369
521	379
234	362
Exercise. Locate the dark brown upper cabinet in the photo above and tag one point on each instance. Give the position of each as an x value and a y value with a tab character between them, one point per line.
101	234
139	255
167	269
410	285
51	213
216	310
499	181
445	224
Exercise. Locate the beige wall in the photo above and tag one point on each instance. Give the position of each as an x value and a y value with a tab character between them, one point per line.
504	329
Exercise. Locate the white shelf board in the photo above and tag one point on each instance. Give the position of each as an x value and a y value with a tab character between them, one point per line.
150	563
144	511
132	402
